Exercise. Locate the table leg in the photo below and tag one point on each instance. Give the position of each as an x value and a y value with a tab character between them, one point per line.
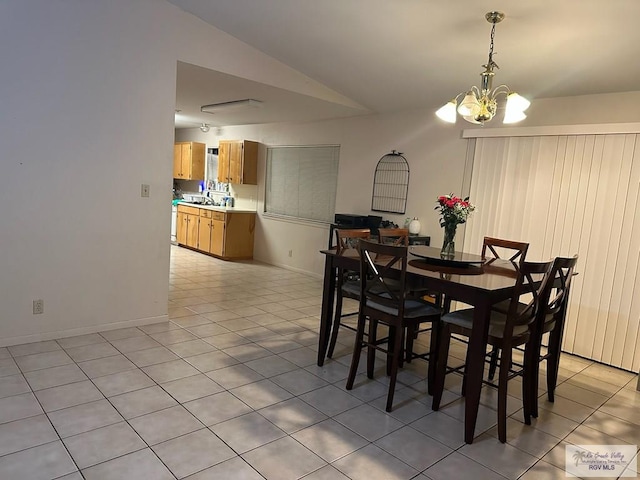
326	313
475	367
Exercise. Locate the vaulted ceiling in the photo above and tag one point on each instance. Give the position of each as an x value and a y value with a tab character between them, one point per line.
388	55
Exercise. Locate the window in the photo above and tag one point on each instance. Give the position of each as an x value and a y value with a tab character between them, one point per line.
302	181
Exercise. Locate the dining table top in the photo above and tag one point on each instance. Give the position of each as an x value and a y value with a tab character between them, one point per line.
467	273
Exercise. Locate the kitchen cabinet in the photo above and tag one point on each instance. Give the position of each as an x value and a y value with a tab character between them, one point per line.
238	162
189	160
187	228
239	231
227	235
211	232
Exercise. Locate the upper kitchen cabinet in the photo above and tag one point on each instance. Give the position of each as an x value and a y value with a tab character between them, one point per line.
188	160
238	162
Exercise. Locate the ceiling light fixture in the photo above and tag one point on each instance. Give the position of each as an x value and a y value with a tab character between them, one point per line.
232	105
205	127
479	105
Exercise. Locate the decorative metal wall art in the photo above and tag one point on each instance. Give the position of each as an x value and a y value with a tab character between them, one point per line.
390	184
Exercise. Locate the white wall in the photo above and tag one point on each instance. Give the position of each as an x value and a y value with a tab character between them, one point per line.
80	132
88	93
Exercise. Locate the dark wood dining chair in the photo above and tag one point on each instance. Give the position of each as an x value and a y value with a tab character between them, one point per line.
384	299
499	248
394	236
492	248
347	282
554	319
400	236
506	331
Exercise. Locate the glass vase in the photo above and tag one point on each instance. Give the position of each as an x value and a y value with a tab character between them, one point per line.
448	244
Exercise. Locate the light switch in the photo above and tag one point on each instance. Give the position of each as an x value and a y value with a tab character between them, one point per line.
144	190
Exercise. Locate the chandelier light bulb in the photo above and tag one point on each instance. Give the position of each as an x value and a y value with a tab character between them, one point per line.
517	102
469	105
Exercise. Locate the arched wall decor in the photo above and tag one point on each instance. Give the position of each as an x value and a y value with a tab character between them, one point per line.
390	184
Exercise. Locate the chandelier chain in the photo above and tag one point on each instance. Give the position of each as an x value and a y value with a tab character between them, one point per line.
493	34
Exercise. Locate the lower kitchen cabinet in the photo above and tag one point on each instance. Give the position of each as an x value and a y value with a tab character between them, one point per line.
211	232
227	235
239	231
187	228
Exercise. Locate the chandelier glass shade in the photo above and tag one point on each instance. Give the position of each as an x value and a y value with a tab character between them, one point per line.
479	104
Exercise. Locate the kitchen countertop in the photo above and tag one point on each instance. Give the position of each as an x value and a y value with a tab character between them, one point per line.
216	208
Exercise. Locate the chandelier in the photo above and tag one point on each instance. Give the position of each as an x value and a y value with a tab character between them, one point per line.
479	104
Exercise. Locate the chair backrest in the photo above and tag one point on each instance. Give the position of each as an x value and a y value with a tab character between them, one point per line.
517	250
394	236
559	289
347	238
383	271
532	283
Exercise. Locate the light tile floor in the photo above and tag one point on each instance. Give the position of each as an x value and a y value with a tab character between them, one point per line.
229	389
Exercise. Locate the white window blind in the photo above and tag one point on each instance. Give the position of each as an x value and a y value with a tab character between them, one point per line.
565	195
302	181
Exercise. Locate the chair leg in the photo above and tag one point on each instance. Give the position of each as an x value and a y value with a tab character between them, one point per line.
444	338
553	362
505	366
534	377
395	362
493	363
393	331
357	351
529	383
403	334
336	324
371	351
433	356
412	333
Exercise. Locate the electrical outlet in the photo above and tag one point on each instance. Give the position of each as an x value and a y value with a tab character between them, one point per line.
144	190
38	307
291	253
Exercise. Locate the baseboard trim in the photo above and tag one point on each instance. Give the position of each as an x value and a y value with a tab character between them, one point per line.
73	332
294	269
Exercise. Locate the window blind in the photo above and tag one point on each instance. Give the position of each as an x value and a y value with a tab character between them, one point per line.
302	181
564	195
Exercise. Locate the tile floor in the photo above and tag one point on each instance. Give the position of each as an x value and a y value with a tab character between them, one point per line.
229	389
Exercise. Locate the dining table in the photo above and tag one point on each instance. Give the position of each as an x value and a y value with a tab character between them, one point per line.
464	278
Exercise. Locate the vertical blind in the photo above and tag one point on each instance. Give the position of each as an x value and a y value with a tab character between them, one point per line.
302	182
566	195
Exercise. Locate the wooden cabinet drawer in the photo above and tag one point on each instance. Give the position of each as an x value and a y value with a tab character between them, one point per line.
189	210
213	215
